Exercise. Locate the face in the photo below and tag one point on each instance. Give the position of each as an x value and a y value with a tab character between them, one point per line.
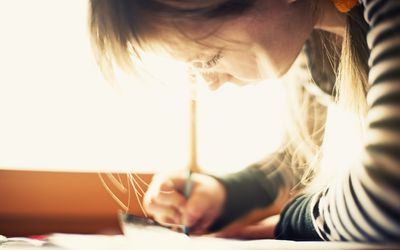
263	43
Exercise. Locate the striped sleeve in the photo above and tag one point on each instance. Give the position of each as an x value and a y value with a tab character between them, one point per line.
365	206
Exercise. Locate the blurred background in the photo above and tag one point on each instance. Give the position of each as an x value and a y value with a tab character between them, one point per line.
62	126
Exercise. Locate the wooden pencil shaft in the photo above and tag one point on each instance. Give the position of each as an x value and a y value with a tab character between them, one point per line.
193	164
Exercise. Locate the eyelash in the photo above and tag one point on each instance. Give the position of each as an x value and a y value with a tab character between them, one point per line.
213	61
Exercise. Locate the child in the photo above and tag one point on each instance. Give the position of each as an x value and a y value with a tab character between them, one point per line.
242	41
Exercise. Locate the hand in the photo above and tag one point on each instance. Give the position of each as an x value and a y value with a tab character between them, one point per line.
165	201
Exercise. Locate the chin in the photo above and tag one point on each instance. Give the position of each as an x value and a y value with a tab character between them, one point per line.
242	82
276	71
275	74
283	72
239	82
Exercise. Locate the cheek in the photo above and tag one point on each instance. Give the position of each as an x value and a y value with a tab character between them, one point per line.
280	45
243	67
279	53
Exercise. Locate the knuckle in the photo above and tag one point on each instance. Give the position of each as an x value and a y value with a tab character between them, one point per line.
153	201
166	186
151	207
163	199
162	196
163	185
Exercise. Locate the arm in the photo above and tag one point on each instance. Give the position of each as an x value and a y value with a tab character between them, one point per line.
364	206
253	189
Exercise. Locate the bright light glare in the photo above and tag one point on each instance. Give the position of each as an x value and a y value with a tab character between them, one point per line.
238	125
341	147
57	113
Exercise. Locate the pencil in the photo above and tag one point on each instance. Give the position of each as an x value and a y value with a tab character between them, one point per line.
186	192
193	166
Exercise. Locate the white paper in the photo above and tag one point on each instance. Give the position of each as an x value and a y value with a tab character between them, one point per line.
160	238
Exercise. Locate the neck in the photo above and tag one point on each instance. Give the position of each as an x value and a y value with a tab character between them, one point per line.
330	19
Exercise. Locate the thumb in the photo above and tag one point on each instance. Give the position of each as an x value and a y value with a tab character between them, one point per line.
196	208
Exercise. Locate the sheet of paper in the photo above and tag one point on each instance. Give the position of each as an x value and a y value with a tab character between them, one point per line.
83	241
168	241
155	237
161	239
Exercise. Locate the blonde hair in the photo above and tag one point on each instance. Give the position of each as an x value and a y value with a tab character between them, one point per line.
345	60
352	82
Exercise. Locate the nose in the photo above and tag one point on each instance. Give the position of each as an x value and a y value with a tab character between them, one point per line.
215	80
197	65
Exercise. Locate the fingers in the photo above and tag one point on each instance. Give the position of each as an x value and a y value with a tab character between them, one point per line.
165	193
169	183
173	199
163	202
164	214
165	206
198	211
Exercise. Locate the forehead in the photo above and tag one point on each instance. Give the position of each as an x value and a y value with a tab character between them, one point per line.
187	50
197	41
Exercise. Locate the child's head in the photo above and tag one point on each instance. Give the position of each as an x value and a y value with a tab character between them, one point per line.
238	41
226	40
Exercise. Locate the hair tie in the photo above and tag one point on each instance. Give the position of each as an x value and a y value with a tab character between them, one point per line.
344	5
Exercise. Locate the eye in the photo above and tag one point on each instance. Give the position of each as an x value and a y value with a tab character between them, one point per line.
213	61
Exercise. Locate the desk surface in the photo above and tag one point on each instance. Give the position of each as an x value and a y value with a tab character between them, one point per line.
101	242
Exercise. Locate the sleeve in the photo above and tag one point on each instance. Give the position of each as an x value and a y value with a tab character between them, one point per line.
256	186
364	206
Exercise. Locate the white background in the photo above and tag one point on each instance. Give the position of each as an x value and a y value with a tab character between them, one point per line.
57	113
